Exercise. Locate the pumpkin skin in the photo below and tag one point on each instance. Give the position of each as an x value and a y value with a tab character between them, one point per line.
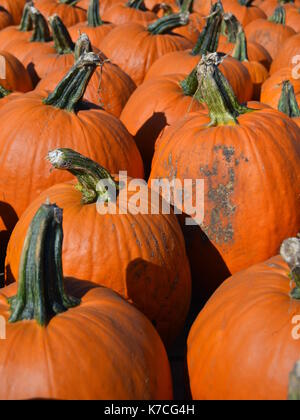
134	49
289	50
269	6
227	158
5	18
103	4
244	14
258	74
271	88
120	14
95	35
184	62
144	259
192	30
16	76
293	18
250	314
14	8
70	15
269	34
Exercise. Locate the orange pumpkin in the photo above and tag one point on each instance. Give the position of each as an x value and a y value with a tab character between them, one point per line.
241	345
22	31
271	88
243	10
5	18
225	149
271	33
269	6
94	27
288	56
289	102
121	354
134	48
132	11
42	122
139	255
16	76
103	4
67	10
14	8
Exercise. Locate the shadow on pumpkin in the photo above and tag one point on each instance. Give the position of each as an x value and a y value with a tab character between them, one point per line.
8	220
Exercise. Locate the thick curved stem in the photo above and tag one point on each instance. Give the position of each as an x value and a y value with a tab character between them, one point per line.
290	252
190	84
186	6
26	20
209	38
240	51
69	92
62	40
41	31
294	383
167	23
216	93
93	14
135	4
90	175
69	2
287	102
230	27
247	3
83	45
4	92
279	16
41	293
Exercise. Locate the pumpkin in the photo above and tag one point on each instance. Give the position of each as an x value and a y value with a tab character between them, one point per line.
154	4
103	4
289	103
271	33
134	48
55	319
5	18
185	61
67	10
131	11
140	255
289	55
269	6
271	88
109	87
145	115
94	27
42	122
16	32
16	76
257	71
226	150
243	10
241	345
293	18
14	8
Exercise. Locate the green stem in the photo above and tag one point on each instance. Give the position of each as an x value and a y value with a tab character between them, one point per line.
26	20
69	2
294	383
41	31
41	293
209	38
69	92
94	181
279	16
247	3
240	51
169	22
83	45
287	102
216	92
4	92
62	40
230	27
135	4
290	252
186	6
190	84
93	14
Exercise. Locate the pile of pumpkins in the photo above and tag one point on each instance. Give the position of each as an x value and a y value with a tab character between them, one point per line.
176	90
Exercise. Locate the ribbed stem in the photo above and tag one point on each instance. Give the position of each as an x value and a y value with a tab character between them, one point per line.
246	3
41	31
41	293
279	16
288	102
93	14
83	45
69	92
89	175
26	20
209	38
290	252
4	92
167	23
240	51
135	4
230	27
294	383
190	84
186	6
215	91
69	2
62	40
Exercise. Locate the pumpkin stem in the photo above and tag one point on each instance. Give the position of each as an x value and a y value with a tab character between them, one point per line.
186	6
41	293
246	3
83	45
287	102
209	37
294	383
26	20
4	92
93	14
216	92
240	51
230	27
290	252
89	175
190	84
41	31
69	92
69	2
62	40
136	4
169	22
279	16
